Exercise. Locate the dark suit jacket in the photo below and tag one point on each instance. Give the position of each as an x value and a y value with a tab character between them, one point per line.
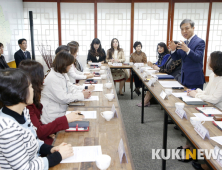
93	58
3	63
19	56
192	64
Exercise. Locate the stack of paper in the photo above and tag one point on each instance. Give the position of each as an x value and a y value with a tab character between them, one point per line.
217	139
202	117
84	154
186	98
92	98
98	87
87	114
170	84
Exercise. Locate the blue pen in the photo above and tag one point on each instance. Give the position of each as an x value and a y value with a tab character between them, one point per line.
191	89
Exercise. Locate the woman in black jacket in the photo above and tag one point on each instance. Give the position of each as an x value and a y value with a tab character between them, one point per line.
96	52
3	64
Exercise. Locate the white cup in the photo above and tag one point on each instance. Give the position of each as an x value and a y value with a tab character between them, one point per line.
103	162
195	120
108	115
109	96
179	105
101	72
168	91
110	63
103	76
89	62
108	85
153	80
130	63
103	67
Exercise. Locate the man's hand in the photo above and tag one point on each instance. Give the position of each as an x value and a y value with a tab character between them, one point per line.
183	46
91	87
172	45
150	64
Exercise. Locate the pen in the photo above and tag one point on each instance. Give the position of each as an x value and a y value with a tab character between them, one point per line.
177	88
191	89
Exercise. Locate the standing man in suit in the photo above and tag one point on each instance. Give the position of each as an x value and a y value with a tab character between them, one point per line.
22	54
192	52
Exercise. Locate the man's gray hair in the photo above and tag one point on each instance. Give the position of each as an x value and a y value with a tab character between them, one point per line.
185	21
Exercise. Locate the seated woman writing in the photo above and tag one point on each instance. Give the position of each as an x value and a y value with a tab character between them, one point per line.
116	54
212	94
58	91
20	146
45	132
96	52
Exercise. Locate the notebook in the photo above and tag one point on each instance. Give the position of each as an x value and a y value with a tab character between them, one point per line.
218	124
78	126
165	76
209	111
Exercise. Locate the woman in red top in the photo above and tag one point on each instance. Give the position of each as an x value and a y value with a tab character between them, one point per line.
45	132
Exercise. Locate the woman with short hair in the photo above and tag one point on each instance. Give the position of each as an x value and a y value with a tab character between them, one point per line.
58	91
96	52
20	147
138	57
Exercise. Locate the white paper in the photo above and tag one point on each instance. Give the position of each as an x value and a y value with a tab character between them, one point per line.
92	98
87	114
180	94
217	139
95	63
186	98
117	64
209	110
96	78
84	154
202	131
121	151
170	84
202	117
98	87
163	95
94	69
139	64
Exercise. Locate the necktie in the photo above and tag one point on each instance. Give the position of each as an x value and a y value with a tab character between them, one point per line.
187	42
25	54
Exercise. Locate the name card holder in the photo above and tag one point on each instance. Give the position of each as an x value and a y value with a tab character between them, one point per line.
181	113
218	152
202	131
114	110
163	95
122	152
117	64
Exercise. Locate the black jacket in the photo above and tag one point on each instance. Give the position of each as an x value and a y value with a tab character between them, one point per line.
94	59
3	64
19	56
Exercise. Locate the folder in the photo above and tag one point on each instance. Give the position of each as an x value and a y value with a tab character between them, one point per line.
78	126
209	111
165	76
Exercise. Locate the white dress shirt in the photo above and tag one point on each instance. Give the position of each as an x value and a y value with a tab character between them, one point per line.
213	91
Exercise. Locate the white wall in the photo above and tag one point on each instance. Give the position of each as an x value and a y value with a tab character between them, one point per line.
11	26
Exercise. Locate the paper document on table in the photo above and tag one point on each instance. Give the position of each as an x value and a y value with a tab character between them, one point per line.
84	154
98	78
92	98
180	94
202	117
98	87
170	84
190	99
87	114
217	139
209	110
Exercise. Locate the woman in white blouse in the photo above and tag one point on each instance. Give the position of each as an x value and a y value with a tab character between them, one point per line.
213	91
73	73
212	94
116	54
58	91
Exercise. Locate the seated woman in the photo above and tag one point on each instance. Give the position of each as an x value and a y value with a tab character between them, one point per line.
212	94
3	64
163	55
58	91
96	52
116	54
45	132
73	73
138	57
20	146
